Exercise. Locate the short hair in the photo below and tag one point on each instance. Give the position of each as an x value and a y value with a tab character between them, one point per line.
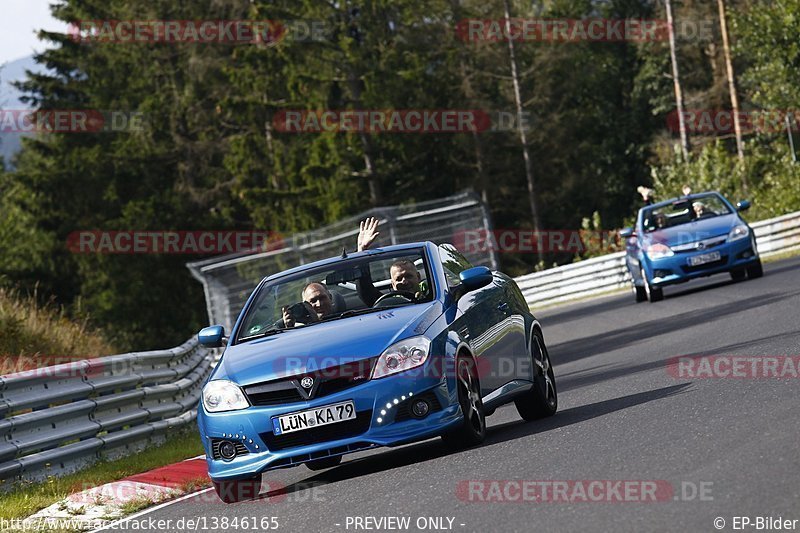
403	263
324	288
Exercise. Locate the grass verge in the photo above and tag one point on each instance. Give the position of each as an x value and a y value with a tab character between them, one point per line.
34	335
781	256
26	499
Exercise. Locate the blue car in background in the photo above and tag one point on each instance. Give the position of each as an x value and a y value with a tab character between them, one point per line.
686	238
343	355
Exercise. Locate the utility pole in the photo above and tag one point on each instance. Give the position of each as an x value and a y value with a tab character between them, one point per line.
523	139
677	83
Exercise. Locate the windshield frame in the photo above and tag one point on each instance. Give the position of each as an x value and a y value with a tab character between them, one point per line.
343	263
700	197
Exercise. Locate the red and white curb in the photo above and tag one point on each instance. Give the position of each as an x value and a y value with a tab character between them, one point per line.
87	508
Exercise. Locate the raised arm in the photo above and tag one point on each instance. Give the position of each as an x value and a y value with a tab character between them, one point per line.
367	233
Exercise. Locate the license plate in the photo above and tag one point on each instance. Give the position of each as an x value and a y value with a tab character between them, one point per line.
704	258
321	416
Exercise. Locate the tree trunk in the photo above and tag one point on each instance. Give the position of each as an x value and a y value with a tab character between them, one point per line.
677	83
375	195
737	125
522	136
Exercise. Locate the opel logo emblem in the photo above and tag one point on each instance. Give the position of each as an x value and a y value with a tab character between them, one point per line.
307	382
701	245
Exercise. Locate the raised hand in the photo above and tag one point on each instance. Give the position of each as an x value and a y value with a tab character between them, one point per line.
367	233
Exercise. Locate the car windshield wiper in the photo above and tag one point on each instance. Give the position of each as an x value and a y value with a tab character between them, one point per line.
349	313
267	333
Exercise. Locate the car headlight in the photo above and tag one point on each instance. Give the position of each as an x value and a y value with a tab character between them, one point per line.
658	250
223	395
738	232
402	356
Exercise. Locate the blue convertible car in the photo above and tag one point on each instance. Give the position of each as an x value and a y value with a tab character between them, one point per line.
379	348
686	238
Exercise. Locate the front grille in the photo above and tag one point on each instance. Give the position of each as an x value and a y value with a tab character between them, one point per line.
241	449
693	246
720	262
327	381
403	411
273	393
339	430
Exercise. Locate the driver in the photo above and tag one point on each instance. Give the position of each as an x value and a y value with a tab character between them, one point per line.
404	275
317	298
700	210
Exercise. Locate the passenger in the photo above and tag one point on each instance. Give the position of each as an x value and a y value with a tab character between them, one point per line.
318	301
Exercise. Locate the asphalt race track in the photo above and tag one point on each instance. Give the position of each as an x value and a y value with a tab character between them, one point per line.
726	447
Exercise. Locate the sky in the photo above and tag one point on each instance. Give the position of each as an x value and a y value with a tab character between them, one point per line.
19	22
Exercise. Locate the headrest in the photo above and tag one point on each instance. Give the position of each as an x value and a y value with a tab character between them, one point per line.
339	303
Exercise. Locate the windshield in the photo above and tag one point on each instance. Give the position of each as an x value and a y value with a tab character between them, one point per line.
683	211
347	288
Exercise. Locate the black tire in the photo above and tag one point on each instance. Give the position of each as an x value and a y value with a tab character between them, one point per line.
756	270
641	294
654	294
472	429
542	399
322	464
238	490
738	274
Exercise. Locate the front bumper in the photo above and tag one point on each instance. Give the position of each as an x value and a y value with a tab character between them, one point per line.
252	427
676	269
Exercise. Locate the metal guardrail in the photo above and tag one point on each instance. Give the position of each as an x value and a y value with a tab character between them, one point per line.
62	418
608	272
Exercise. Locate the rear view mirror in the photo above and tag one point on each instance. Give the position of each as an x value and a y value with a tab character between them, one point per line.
744	205
626	233
343	276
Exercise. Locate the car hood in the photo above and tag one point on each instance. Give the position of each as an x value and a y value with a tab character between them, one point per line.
325	345
694	231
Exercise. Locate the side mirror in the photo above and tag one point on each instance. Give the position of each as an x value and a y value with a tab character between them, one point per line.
744	205
212	336
474	278
626	233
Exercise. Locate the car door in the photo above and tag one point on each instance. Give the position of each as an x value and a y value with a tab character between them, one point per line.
514	361
483	321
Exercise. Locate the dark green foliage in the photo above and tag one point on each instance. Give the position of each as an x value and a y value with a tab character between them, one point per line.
210	155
